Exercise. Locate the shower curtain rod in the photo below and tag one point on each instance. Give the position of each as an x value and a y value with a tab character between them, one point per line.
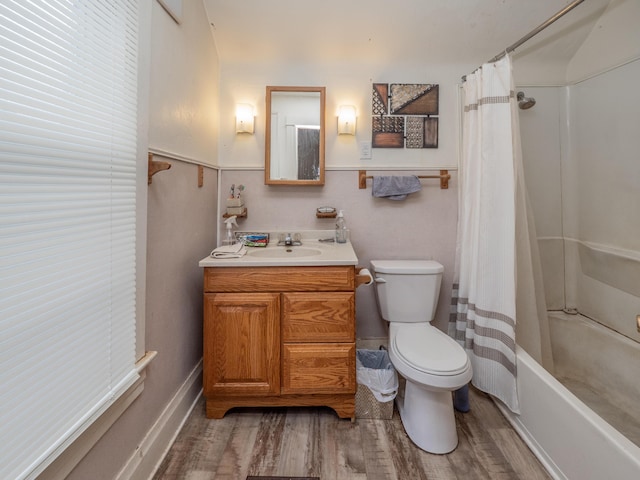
534	32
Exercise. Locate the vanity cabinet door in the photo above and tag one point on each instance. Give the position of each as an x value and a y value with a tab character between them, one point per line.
242	344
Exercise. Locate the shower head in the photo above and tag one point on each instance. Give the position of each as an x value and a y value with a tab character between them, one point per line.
525	102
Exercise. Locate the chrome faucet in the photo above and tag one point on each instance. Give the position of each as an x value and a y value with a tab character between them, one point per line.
289	240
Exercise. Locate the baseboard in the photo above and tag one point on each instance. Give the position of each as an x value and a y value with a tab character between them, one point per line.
156	443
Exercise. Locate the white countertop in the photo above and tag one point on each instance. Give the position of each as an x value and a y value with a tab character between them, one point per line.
324	253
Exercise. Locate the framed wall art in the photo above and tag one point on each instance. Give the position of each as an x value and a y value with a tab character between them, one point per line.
405	115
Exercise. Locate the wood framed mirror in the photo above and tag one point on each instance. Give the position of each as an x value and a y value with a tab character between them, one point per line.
294	137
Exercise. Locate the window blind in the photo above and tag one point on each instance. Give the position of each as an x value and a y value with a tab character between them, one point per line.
68	124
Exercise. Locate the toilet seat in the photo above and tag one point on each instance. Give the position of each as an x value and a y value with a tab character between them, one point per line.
429	350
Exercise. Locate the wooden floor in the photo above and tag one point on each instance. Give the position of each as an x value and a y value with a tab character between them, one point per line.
300	442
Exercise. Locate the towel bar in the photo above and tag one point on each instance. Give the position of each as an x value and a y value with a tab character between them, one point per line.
444	178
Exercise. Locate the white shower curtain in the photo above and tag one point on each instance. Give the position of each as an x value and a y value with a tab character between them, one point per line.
483	316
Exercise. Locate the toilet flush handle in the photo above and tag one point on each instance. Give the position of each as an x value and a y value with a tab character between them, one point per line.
380	280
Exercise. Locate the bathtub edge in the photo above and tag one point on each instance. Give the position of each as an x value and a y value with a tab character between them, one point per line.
556	448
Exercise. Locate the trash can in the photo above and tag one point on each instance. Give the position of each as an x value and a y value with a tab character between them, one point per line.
377	384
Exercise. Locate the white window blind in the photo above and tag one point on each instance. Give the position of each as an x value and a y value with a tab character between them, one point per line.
68	123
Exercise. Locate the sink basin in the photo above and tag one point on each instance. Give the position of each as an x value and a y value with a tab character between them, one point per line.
284	252
313	252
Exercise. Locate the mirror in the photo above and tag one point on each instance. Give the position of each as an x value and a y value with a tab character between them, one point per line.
294	139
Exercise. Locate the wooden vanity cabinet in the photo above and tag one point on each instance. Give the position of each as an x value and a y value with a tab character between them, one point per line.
279	336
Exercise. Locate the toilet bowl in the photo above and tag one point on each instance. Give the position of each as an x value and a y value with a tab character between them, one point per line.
431	362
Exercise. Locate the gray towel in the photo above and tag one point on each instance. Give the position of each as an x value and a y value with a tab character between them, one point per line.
395	187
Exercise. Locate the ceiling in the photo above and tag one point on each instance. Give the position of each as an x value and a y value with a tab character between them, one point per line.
403	31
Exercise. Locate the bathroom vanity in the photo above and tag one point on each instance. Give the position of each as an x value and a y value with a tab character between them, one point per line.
279	330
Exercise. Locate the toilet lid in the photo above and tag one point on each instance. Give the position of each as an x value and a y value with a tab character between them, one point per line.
430	350
407	267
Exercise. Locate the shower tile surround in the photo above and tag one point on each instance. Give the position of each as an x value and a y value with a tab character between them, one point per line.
581	243
588	235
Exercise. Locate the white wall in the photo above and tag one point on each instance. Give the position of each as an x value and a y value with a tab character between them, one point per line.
183	101
345	84
614	40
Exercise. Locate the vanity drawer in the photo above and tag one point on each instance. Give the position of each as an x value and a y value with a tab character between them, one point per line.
279	279
318	368
318	317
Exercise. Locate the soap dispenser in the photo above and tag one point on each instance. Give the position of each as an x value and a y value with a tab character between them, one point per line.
229	238
342	234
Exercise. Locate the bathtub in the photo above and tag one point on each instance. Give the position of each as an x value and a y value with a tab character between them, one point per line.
570	439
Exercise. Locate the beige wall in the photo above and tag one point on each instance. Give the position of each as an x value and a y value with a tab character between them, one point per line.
180	229
422	226
179	232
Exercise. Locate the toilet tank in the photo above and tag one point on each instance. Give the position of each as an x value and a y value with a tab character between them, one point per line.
407	290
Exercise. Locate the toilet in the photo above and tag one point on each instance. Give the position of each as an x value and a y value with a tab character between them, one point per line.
432	363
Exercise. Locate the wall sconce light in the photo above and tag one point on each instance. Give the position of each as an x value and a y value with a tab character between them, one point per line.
347	120
244	118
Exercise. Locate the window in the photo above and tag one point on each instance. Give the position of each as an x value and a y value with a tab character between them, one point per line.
68	124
